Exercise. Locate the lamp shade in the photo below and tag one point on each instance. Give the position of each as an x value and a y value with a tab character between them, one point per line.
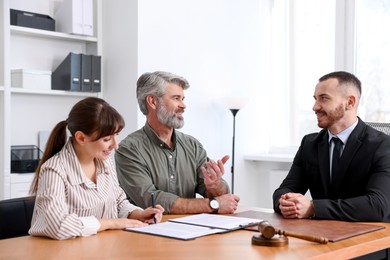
235	102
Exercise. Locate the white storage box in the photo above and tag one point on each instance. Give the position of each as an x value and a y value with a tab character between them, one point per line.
39	79
75	17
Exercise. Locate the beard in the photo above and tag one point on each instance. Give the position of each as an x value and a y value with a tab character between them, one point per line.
168	118
331	117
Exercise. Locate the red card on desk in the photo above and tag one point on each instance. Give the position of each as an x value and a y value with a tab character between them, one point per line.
333	230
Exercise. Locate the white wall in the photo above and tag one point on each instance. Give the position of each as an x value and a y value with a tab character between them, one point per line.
221	47
119	60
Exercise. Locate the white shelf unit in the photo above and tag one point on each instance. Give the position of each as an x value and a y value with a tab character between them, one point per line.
52	92
25	112
50	34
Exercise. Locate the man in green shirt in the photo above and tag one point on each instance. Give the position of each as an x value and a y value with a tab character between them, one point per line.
157	159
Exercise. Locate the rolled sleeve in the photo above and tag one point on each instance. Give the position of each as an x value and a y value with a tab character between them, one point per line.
91	226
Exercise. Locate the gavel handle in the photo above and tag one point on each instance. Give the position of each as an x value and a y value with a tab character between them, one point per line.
318	239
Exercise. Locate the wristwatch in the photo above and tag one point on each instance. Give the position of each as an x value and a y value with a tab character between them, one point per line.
214	205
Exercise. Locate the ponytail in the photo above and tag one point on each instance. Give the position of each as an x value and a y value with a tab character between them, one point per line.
56	141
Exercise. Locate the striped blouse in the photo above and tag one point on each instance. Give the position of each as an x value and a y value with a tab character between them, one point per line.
68	204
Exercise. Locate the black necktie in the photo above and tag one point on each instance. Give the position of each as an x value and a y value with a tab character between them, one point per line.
336	154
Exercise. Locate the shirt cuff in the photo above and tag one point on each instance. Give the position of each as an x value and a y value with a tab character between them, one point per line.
126	210
314	210
90	226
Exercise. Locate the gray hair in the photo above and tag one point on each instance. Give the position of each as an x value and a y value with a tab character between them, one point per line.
154	83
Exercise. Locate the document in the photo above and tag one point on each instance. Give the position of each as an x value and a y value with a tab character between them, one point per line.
176	230
227	223
191	227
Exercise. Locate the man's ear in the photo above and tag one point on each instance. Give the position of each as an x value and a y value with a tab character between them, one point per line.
80	137
351	103
152	102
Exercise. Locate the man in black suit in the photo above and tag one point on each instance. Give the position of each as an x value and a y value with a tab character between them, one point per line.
359	188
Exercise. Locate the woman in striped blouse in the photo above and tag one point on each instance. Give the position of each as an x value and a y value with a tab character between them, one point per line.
76	186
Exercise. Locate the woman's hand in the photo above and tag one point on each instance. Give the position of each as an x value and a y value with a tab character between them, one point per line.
148	215
120	223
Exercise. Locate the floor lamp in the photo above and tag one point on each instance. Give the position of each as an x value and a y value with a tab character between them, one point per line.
234	112
234	105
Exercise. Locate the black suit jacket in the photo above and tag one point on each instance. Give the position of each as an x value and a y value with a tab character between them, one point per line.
360	189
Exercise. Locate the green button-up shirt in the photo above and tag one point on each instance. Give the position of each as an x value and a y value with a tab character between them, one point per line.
145	164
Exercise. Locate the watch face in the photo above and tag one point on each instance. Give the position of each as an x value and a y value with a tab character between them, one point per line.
214	204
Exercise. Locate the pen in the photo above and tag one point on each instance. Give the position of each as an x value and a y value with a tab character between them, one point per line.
154	205
249	225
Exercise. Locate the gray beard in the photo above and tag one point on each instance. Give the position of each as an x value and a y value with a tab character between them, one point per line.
167	118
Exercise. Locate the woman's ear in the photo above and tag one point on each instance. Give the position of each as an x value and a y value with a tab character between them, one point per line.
80	137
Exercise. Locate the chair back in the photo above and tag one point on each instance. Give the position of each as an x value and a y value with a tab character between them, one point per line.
15	216
383	127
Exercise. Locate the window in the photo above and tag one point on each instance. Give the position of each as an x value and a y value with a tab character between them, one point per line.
314	37
373	58
303	51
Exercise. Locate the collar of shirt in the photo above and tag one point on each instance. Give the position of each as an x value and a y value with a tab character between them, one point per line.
156	139
343	135
77	177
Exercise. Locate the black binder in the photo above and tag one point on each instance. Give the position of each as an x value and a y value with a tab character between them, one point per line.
78	72
67	75
86	73
96	71
32	20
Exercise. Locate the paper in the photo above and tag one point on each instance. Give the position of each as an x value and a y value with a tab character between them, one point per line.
176	230
193	226
217	221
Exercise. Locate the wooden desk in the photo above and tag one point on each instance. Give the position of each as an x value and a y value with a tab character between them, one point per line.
119	244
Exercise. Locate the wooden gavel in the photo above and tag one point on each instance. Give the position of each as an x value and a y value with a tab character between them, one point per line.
268	231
